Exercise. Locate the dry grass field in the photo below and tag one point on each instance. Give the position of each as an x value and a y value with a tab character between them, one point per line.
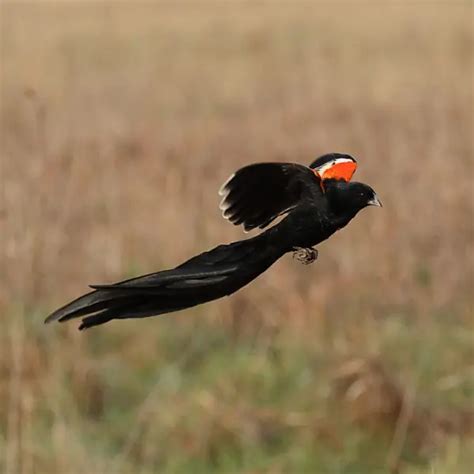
119	122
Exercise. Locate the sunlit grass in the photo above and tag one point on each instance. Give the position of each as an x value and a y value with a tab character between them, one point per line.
119	124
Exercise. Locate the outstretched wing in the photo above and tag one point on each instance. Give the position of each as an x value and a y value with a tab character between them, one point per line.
257	194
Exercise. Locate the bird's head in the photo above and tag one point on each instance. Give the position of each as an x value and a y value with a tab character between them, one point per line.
350	198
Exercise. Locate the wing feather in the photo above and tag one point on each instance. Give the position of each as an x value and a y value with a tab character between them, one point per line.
257	194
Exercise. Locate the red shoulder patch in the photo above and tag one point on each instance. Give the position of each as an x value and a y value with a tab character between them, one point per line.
339	168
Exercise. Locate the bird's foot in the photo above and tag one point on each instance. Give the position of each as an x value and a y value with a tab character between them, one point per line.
305	255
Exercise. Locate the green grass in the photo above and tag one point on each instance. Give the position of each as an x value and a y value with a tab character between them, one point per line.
199	398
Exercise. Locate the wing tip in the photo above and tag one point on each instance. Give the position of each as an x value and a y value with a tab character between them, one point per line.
224	205
222	190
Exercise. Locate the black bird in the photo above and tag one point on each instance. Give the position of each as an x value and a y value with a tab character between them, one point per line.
318	201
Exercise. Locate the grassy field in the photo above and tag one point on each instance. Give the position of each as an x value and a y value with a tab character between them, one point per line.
119	122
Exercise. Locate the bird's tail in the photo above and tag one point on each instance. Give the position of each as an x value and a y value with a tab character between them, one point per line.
206	277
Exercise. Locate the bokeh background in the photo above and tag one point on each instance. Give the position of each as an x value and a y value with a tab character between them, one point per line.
119	123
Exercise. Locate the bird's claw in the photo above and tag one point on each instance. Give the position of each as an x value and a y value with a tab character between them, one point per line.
305	255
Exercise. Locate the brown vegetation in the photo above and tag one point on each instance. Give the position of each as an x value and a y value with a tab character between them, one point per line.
119	123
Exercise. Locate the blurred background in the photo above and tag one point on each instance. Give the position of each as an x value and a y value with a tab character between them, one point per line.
119	123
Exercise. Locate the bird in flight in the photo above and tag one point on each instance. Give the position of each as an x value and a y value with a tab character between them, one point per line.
318	200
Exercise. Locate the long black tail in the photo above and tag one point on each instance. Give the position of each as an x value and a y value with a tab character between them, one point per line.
206	277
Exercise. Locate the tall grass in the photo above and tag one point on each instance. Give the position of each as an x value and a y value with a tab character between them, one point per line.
119	123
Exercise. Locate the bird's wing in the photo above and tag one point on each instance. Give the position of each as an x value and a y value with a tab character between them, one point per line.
334	166
257	194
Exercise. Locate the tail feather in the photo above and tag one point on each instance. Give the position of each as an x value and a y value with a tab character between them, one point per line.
125	312
88	303
208	276
167	277
181	281
95	320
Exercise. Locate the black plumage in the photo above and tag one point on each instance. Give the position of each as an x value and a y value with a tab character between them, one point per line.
254	196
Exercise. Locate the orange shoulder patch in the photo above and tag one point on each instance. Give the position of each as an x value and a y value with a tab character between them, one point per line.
340	168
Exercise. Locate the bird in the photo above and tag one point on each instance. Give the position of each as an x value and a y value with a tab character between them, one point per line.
314	202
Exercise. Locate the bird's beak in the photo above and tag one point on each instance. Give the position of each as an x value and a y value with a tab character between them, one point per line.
375	201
